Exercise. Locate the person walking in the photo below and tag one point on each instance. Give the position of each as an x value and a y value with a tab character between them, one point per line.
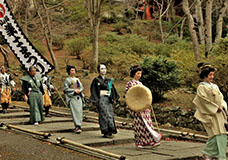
145	135
6	82
48	88
74	97
103	95
33	91
211	111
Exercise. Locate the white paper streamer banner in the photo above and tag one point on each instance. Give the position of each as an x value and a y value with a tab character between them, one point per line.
25	52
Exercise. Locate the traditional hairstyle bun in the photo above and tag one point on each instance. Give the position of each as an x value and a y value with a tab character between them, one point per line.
135	69
206	68
200	64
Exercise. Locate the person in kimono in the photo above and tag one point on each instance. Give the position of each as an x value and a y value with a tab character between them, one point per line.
6	82
74	97
103	95
48	88
211	111
145	135
33	91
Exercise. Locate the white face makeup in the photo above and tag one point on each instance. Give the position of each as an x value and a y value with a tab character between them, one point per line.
103	69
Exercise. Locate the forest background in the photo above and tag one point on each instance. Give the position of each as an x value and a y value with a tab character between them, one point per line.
168	45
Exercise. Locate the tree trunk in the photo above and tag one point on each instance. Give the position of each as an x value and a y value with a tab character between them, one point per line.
26	18
182	28
47	33
161	28
208	27
172	16
161	14
191	26
219	22
94	11
94	62
49	38
200	21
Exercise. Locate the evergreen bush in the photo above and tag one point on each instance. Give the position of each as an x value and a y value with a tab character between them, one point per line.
221	47
38	44
122	63
221	74
128	43
186	61
160	75
76	46
58	41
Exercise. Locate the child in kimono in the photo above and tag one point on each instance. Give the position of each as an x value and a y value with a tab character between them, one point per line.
211	111
48	88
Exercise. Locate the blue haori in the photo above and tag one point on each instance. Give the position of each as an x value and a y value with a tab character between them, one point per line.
106	116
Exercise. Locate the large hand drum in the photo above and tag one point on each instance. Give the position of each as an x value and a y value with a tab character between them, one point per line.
139	98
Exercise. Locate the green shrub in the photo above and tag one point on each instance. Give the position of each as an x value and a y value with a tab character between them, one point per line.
53	2
221	47
172	39
110	37
75	11
128	43
162	49
109	17
221	74
190	72
122	63
121	27
76	46
160	75
186	61
58	41
39	46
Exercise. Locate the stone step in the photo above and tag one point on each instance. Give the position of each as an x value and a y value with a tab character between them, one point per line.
14	115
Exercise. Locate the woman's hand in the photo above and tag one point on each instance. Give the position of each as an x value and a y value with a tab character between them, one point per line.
77	91
25	98
220	108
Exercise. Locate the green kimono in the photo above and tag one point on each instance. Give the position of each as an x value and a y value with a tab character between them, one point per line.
32	87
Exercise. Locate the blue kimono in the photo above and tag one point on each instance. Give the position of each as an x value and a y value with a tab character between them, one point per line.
74	101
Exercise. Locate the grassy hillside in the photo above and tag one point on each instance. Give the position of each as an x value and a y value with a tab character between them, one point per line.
122	42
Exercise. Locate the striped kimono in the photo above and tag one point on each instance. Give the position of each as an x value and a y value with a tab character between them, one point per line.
143	127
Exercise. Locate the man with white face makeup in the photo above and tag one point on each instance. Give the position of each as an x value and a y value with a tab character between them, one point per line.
103	95
103	70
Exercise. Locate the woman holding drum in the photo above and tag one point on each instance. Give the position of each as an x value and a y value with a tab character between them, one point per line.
139	99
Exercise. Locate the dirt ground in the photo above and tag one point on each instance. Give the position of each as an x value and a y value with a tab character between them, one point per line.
21	147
